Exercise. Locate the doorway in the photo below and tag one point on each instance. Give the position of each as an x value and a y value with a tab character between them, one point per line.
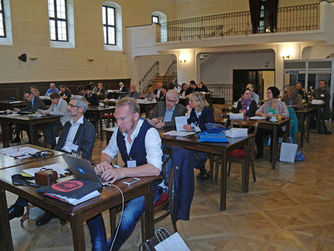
261	78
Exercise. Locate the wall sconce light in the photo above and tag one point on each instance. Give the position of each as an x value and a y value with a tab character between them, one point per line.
287	53
183	58
90	59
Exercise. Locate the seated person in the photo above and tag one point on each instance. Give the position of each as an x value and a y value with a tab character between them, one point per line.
246	104
159	93
34	90
58	107
202	87
134	137
301	91
122	87
65	93
133	93
91	97
81	91
324	110
199	113
293	99
149	95
100	90
273	107
192	87
34	103
52	89
183	92
254	96
77	137
165	112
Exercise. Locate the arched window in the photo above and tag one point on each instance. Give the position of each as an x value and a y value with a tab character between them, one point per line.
5	23
159	17
61	23
112	26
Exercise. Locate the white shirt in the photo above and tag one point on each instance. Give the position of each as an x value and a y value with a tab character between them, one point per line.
152	145
69	146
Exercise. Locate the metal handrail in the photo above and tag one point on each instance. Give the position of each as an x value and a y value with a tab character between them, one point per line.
149	76
290	18
171	74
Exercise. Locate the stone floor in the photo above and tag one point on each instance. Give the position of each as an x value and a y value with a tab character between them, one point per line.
290	208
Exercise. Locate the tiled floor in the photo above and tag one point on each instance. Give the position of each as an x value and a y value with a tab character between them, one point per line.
290	208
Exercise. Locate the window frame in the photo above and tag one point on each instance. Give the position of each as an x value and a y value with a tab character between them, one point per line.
56	19
2	13
155	16
106	25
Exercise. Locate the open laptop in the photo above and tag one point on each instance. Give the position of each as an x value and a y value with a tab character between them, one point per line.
82	168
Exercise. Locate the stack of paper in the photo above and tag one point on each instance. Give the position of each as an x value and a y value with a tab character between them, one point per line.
20	152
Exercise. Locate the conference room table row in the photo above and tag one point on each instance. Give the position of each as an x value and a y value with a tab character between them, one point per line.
109	198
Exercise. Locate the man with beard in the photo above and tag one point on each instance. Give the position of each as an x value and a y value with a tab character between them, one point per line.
139	144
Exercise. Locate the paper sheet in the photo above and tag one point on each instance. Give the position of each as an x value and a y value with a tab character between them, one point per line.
180	122
20	152
60	169
258	118
180	133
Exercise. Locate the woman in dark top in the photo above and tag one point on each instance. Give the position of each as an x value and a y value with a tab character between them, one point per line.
199	114
202	87
91	97
183	92
246	104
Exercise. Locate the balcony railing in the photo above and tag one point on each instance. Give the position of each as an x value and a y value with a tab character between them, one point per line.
292	18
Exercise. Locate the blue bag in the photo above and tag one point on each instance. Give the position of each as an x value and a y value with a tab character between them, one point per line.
212	137
300	156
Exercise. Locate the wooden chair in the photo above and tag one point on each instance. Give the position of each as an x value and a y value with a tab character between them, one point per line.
162	208
238	155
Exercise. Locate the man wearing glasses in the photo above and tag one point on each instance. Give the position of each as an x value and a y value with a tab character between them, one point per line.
78	137
165	112
34	103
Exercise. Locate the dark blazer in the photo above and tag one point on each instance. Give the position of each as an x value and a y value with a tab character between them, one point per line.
85	138
205	117
160	110
161	95
252	108
38	104
92	99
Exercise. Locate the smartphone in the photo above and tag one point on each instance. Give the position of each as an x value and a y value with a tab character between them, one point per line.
131	181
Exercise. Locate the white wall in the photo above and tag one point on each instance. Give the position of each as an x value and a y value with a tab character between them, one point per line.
218	68
318	52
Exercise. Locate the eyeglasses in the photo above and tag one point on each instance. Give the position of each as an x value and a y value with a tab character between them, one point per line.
172	101
73	105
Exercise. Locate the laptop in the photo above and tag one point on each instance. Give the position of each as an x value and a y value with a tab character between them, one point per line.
82	168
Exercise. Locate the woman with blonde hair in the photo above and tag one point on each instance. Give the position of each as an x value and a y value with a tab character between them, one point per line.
199	113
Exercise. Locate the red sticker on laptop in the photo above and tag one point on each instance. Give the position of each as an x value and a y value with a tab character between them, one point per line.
67	186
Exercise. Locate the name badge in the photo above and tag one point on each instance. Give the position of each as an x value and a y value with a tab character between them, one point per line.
74	147
322	95
131	163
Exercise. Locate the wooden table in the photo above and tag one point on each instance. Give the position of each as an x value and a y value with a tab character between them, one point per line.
274	126
221	149
6	104
304	114
31	121
8	161
76	215
95	113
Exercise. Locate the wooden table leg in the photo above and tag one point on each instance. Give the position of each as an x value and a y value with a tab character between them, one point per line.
6	242
223	178
308	122
245	169
149	214
33	138
274	147
302	131
4	129
78	232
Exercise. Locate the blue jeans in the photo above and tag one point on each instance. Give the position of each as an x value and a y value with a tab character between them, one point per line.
132	212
